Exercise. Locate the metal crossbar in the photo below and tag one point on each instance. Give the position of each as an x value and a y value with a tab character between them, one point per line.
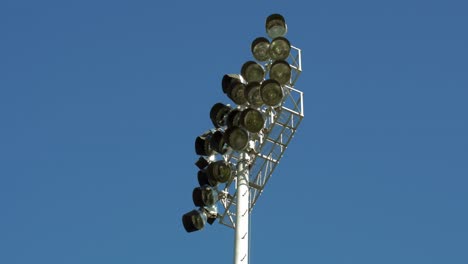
270	146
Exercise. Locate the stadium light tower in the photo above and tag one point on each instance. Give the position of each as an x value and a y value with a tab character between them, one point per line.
238	156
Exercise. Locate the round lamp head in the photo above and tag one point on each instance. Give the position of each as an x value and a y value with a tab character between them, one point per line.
204	196
280	71
252	120
280	48
260	49
194	220
252	72
271	92
227	81
237	138
217	114
237	93
252	93
202	145
205	179
217	142
233	117
276	26
220	171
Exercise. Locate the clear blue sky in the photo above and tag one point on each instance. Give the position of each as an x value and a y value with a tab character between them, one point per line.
100	103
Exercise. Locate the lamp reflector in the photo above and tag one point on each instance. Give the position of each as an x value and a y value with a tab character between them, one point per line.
220	171
202	145
205	179
237	138
271	92
252	93
217	142
252	72
233	117
252	120
204	196
276	26
280	71
280	48
237	93
227	81
217	114
194	220
260	49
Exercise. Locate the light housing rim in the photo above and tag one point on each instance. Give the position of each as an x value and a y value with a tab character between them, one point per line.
274	56
254	44
263	91
276	20
249	67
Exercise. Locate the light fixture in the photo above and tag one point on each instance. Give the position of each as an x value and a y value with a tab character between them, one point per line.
260	49
280	48
204	196
252	120
217	142
280	71
252	72
205	179
276	26
232	118
194	220
237	92
227	80
217	114
252	93
237	138
201	163
202	144
211	213
271	92
220	171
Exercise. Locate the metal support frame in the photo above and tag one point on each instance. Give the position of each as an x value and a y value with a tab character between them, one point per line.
280	127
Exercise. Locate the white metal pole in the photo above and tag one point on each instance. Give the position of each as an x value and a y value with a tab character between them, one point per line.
241	243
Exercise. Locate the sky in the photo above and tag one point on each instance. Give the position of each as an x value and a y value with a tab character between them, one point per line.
101	101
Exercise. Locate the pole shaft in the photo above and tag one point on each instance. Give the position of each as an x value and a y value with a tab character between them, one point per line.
241	243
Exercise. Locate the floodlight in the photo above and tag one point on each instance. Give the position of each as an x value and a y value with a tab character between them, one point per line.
280	48
202	145
280	71
194	220
237	92
237	138
252	72
260	49
220	171
252	120
205	179
233	117
211	220
271	92
217	142
252	93
204	196
227	80
217	114
211	212
276	26
201	163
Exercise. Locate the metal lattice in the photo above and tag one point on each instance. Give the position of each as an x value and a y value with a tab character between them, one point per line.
269	147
